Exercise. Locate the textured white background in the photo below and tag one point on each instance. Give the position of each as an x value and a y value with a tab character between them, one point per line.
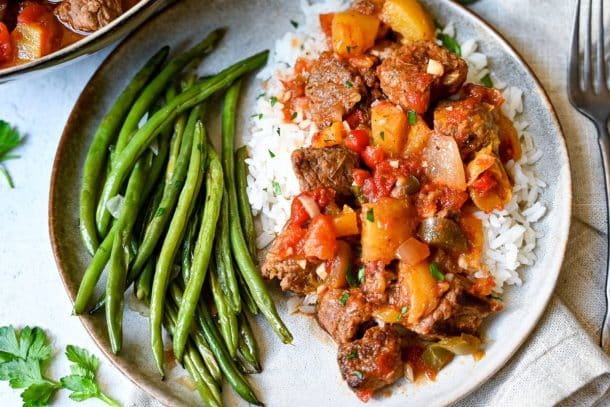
31	291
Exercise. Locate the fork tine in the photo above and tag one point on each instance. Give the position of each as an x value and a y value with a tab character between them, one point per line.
601	74
575	52
587	74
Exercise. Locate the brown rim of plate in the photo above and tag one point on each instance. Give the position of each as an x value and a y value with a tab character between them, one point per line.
168	400
86	45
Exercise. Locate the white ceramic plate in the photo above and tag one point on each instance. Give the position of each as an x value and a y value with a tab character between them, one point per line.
305	373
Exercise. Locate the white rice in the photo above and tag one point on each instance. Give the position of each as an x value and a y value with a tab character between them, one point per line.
510	238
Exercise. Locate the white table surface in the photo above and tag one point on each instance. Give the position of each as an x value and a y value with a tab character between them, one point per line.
31	292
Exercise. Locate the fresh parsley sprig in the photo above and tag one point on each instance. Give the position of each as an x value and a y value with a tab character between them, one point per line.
24	355
9	140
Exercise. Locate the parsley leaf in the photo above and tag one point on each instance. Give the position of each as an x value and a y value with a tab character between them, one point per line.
370	215
82	380
412	117
277	189
349	84
450	43
22	357
436	272
9	140
273	101
344	298
487	82
294	24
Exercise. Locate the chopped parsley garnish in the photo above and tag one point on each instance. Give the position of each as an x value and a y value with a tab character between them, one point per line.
261	95
349	84
351	277
277	190
358	374
9	140
344	298
412	117
293	116
273	101
436	272
450	43
361	275
403	311
348	49
382	135
351	355
258	115
486	81
294	24
278	131
271	154
370	216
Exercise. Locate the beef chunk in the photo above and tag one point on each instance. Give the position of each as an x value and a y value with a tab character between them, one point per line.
88	15
472	120
458	312
332	89
372	362
298	276
342	313
329	167
469	315
406	79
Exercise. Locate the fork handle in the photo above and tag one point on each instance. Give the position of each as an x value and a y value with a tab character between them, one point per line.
604	145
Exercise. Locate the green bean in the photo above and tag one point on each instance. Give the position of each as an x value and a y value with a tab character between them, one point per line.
248	348
209	392
172	239
119	257
185	100
102	254
206	354
211	334
143	283
214	187
227	320
245	211
224	260
159	84
93	272
246	296
188	246
203	390
238	243
171	193
98	151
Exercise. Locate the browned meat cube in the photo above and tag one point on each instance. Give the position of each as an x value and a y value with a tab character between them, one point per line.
419	73
88	15
372	362
332	89
297	276
342	313
472	121
329	167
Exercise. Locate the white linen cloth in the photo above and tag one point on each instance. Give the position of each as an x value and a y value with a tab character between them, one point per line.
559	364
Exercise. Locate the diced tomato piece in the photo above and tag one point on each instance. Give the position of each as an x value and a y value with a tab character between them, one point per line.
372	155
326	22
301	66
483	286
356	118
290	241
6	49
323	196
33	13
298	214
357	140
364	394
485	183
360	176
320	240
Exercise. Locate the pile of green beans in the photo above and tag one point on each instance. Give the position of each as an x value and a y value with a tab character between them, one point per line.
183	233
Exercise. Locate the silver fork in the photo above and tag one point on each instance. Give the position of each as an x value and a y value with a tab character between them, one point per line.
589	93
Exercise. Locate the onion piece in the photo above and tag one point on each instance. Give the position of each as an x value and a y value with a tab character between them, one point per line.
412	251
310	205
444	164
435	68
115	205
